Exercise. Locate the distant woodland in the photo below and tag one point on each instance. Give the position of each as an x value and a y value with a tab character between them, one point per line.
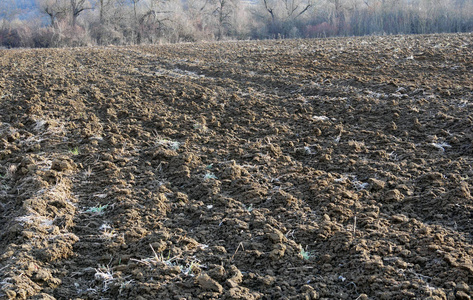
59	23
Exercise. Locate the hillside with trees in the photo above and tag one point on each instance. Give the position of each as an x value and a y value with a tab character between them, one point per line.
58	23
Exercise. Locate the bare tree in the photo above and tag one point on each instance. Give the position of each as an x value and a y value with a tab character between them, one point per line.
76	8
224	10
8	11
102	6
199	18
338	15
285	13
295	8
155	18
270	6
135	8
99	30
136	34
55	9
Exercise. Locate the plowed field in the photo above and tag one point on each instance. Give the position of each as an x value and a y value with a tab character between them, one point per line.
301	169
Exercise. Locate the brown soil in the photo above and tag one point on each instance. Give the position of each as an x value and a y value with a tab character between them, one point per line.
305	169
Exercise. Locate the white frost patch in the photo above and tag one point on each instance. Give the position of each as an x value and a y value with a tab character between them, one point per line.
320	118
105	226
30	219
308	151
359	186
441	146
177	73
341	179
101	195
105	275
39	125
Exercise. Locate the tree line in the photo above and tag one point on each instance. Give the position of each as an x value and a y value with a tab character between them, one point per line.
124	22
